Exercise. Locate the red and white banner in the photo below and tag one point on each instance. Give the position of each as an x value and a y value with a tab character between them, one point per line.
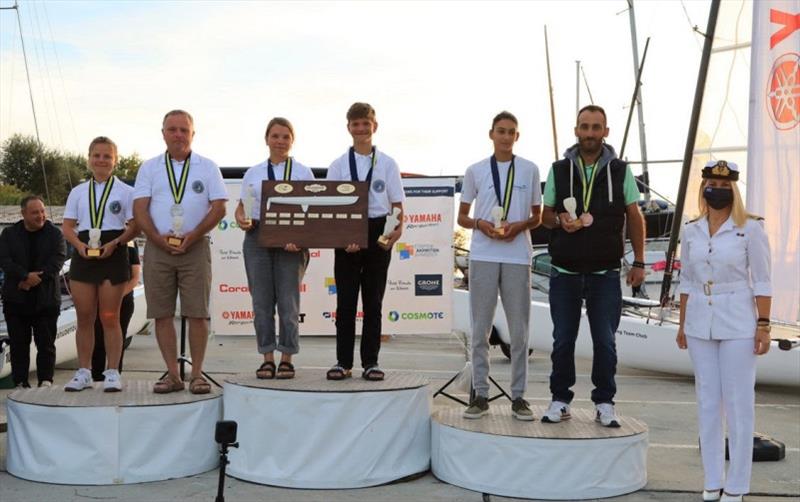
773	174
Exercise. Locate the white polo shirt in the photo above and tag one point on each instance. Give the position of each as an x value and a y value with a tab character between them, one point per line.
203	185
118	208
386	187
722	274
478	187
259	173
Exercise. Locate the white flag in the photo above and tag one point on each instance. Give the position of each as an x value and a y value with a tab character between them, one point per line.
773	164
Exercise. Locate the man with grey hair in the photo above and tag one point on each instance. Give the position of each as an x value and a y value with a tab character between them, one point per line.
32	252
179	197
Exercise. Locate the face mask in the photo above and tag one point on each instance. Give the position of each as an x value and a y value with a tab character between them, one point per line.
718	198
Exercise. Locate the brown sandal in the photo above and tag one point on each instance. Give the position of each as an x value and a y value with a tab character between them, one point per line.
168	384
266	371
285	371
199	385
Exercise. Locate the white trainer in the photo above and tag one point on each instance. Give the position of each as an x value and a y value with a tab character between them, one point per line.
45	384
730	498
606	416
112	382
711	495
557	412
81	380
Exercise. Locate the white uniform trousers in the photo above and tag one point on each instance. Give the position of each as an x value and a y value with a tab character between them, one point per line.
725	374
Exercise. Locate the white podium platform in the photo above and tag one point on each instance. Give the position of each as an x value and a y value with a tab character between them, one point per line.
309	432
96	438
572	460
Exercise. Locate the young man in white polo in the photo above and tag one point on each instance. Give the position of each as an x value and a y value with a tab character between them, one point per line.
364	269
507	195
179	197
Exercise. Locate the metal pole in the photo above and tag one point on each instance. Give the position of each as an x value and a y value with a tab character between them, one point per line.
639	111
33	108
577	86
633	100
688	152
550	89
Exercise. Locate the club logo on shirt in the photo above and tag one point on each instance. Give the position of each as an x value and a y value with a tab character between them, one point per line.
379	186
115	207
197	186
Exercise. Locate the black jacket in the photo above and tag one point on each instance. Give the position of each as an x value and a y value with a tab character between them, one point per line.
15	262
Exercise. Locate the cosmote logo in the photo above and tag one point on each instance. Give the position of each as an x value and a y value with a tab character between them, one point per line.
395	316
227	224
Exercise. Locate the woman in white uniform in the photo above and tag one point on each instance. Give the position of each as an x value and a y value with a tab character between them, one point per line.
98	223
724	321
274	275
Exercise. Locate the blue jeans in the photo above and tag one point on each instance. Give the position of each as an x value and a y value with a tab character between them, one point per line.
603	297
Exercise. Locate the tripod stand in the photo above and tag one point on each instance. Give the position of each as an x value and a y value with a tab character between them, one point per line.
183	360
471	390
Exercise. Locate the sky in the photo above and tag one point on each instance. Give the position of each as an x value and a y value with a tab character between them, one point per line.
436	72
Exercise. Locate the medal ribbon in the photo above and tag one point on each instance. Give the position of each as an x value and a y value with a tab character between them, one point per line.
96	212
587	193
354	171
178	188
505	201
287	170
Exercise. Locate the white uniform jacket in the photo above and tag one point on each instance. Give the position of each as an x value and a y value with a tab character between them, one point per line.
722	276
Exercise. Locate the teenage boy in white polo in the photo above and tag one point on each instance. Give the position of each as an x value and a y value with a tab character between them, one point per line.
365	269
179	197
507	196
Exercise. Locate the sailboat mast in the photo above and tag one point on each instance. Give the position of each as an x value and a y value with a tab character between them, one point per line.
688	151
639	111
550	89
33	108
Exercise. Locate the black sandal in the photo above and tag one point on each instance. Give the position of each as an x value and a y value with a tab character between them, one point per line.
373	374
285	371
266	371
338	373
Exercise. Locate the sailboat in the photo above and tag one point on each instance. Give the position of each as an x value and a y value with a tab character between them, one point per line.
646	334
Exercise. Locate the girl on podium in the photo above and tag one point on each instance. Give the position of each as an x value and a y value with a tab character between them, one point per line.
98	223
274	275
726	296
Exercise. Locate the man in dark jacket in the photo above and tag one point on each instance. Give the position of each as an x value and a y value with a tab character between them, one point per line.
32	252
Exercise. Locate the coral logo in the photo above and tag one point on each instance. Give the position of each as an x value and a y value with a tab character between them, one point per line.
406	251
227	288
330	285
314	253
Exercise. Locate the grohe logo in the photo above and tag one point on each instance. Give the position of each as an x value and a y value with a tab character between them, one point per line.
428	285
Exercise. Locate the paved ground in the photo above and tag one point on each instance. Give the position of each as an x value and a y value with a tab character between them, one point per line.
664	402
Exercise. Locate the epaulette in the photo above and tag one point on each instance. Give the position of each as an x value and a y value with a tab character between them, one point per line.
755	217
692	221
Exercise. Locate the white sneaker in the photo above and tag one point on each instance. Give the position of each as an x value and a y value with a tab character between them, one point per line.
557	412
112	382
730	498
81	380
46	384
711	495
606	416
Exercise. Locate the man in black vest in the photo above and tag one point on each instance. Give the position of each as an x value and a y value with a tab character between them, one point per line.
32	252
588	197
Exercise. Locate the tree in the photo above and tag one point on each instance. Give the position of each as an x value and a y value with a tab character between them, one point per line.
10	195
127	167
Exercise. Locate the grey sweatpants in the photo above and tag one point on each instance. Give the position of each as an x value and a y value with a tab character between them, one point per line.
514	283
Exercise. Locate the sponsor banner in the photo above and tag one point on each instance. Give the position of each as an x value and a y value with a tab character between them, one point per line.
773	143
418	295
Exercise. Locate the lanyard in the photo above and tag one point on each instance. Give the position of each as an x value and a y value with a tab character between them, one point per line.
287	170
505	200
587	193
178	188
96	212
354	171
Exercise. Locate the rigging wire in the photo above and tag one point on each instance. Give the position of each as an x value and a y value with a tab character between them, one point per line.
692	25
36	66
586	83
48	77
76	143
33	108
